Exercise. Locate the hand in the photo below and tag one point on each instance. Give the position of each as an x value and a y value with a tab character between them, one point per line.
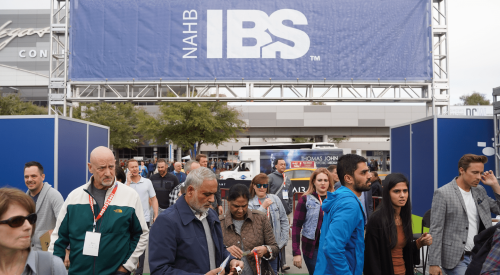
122	269
261	250
235	251
233	264
66	259
425	239
489	178
216	271
129	177
435	270
221	210
297	261
266	203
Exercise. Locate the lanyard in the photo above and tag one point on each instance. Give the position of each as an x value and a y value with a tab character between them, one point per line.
267	207
320	200
256	261
284	179
104	207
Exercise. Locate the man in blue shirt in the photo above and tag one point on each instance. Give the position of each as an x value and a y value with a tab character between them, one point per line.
181	176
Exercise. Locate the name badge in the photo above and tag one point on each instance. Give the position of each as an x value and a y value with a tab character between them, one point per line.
91	244
285	194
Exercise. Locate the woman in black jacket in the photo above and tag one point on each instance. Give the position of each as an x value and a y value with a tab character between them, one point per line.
389	245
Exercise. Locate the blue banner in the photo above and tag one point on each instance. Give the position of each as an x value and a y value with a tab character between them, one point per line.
254	40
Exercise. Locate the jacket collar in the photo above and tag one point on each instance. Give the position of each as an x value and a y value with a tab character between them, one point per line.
229	219
91	181
187	214
456	188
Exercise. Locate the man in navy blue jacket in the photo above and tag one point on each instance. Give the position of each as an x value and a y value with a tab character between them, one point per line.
187	237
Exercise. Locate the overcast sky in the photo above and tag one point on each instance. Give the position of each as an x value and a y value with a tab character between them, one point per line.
474	33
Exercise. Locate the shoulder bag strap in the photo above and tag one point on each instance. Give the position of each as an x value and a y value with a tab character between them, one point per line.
44	262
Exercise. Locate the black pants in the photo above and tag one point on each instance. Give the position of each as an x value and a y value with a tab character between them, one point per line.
141	260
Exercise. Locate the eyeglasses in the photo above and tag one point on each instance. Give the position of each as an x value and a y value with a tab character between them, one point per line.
261	185
17	221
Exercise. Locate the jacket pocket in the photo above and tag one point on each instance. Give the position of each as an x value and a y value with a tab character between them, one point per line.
447	242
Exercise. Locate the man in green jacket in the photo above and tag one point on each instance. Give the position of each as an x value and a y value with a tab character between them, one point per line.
107	236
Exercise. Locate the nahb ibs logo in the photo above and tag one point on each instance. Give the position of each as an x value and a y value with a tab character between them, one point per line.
250	25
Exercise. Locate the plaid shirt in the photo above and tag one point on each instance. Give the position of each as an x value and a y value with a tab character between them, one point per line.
174	194
299	218
492	263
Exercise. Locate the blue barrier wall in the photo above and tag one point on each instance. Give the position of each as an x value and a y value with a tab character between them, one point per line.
400	150
31	138
456	136
72	155
26	140
422	157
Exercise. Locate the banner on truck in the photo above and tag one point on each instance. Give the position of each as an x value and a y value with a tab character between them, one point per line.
251	40
321	158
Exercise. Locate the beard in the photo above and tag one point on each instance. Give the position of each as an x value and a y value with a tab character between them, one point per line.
198	207
361	187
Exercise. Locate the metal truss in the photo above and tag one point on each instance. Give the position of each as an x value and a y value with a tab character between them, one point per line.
440	80
496	123
58	59
250	92
435	93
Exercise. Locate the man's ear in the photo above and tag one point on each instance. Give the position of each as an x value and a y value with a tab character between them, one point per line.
348	179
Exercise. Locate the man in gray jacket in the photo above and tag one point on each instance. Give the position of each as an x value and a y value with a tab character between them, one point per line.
281	186
460	210
47	199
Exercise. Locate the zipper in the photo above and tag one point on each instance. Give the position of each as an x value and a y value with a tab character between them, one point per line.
97	227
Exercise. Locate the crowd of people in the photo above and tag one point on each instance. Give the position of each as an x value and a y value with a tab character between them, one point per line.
105	225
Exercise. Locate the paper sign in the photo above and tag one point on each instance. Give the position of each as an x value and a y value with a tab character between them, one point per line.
45	240
91	244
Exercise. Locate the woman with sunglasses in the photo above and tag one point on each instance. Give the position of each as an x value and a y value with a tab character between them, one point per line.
17	225
389	245
271	205
308	218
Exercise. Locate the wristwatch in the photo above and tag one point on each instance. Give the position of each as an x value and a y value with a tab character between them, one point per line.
270	253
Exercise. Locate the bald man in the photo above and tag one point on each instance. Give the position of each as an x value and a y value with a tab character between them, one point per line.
102	221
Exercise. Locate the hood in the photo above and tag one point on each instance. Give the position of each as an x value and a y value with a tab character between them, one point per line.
340	194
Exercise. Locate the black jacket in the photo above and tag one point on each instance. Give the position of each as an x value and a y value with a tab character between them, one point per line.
378	258
482	247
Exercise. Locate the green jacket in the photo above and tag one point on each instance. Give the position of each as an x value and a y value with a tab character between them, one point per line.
124	232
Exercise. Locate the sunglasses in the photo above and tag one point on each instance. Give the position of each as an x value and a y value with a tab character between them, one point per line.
17	221
261	185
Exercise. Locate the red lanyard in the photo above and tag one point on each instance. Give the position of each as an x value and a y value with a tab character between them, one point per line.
105	206
320	200
284	179
267	207
256	261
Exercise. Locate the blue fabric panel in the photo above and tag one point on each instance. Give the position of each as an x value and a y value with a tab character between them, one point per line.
72	155
423	166
457	137
97	137
309	40
400	150
24	140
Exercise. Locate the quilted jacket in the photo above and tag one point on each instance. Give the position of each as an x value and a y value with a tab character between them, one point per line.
256	231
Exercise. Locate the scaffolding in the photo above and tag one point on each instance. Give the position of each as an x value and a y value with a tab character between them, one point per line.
64	92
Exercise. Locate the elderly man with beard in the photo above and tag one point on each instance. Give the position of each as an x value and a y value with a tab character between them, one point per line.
341	245
187	237
103	222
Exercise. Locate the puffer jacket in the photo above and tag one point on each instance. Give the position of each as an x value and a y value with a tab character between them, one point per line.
256	231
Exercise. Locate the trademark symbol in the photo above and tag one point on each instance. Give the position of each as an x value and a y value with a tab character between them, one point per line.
315	58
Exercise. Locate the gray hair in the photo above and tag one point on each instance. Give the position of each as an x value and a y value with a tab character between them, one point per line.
187	166
183	188
197	176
